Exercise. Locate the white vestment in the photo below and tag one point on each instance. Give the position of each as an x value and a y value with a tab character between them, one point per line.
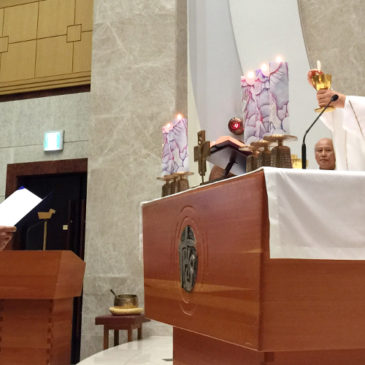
348	132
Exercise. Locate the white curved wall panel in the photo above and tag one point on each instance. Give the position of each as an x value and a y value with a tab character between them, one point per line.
214	66
265	29
227	38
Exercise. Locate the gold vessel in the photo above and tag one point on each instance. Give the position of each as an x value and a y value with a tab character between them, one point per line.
322	81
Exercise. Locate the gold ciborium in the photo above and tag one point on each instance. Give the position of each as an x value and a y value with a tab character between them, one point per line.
322	81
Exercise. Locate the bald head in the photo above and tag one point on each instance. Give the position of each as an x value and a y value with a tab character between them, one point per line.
325	154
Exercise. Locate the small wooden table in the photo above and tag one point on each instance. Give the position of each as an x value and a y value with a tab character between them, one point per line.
124	322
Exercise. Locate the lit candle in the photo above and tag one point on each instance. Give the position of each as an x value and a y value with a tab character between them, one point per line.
250	78
279	97
175	146
265	69
265	98
319	65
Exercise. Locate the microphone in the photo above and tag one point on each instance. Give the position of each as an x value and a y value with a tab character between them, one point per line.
304	147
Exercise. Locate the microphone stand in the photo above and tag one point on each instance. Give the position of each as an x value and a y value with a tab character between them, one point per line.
304	147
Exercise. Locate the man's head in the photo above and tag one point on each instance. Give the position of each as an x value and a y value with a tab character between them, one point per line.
325	155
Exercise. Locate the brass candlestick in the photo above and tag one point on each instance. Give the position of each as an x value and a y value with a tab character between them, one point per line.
251	160
264	157
280	155
175	183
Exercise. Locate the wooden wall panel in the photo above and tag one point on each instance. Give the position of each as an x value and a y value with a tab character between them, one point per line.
55	16
21	54
84	15
44	44
20	22
81	60
57	50
1	20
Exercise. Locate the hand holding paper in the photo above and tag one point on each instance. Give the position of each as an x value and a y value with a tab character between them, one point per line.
6	234
12	210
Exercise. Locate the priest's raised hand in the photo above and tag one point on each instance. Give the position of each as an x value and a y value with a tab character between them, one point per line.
324	95
6	234
346	123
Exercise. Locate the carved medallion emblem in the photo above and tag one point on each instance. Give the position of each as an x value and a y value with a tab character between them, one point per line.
188	259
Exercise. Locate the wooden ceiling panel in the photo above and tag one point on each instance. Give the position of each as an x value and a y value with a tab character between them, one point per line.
20	22
44	44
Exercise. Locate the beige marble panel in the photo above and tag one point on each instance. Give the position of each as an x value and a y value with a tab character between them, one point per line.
33	153
136	77
5	158
115	10
7	126
70	113
147	64
334	33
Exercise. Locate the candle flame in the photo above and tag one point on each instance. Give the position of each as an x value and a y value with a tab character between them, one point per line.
265	69
167	127
250	78
319	67
250	75
179	116
279	59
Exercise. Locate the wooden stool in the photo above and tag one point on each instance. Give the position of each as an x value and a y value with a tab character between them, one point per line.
116	323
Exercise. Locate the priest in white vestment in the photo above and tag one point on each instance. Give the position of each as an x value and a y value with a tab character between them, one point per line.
347	124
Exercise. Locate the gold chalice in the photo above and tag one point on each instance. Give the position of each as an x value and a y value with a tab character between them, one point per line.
322	81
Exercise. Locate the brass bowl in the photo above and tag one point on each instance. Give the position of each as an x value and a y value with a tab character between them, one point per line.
126	301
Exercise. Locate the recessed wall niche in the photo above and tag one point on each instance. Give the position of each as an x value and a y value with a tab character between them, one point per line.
44	44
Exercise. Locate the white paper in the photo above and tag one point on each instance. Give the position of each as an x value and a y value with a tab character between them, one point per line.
17	206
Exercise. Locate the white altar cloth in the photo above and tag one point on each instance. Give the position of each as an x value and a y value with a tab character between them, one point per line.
316	214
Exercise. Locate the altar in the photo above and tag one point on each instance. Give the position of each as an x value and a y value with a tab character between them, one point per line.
233	266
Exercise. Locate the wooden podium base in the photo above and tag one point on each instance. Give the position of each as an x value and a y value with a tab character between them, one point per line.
193	349
35	331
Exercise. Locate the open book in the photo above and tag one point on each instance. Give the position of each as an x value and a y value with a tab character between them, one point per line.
225	152
225	141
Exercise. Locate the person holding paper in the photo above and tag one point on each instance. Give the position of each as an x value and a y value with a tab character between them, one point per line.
347	124
6	234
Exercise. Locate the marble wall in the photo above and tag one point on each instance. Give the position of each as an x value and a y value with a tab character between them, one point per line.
23	123
138	83
334	33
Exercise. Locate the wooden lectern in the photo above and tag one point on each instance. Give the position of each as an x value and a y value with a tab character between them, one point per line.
246	308
36	304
